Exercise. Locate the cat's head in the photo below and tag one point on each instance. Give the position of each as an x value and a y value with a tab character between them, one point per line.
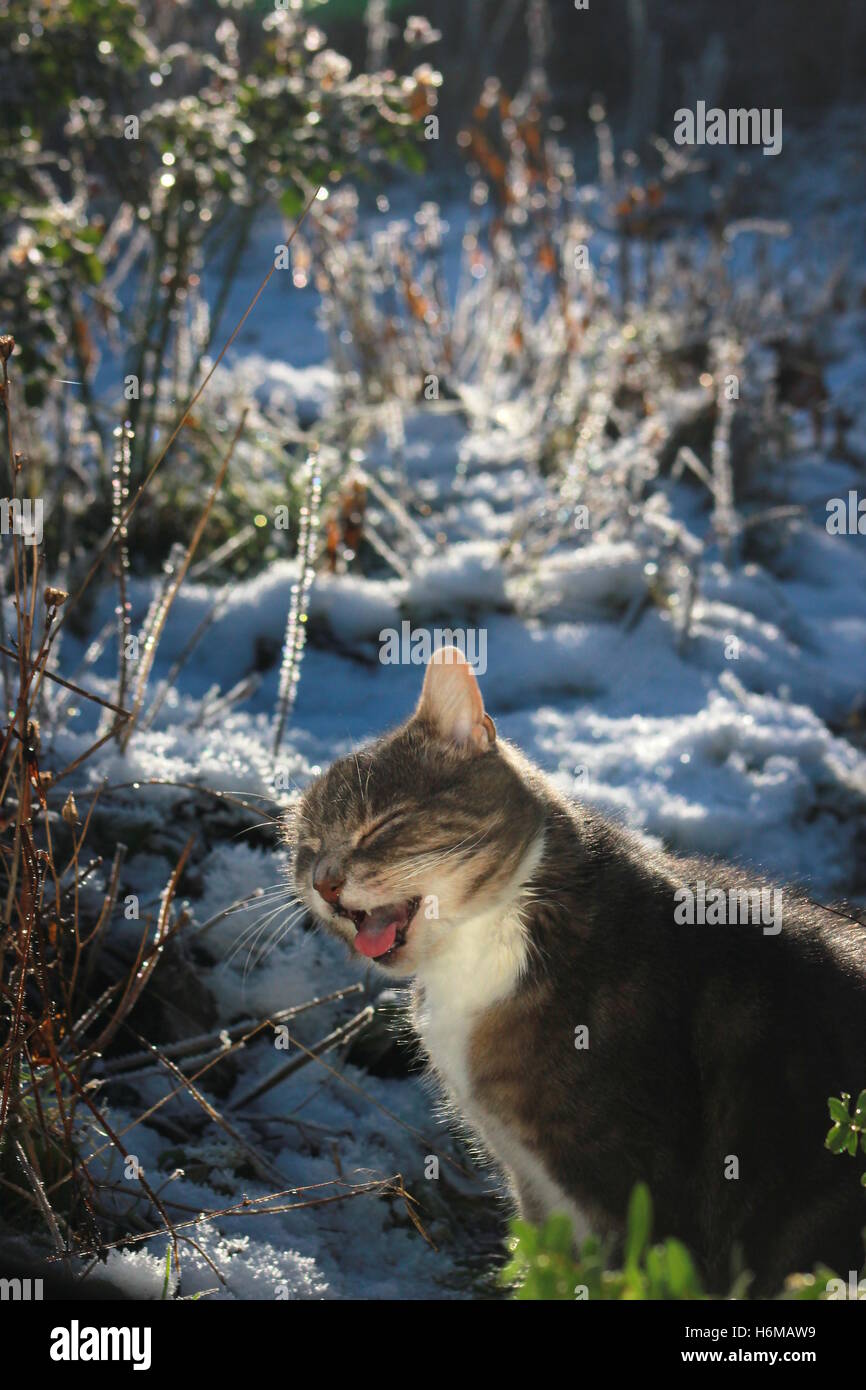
398	845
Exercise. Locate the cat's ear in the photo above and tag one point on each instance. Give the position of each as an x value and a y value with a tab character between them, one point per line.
451	702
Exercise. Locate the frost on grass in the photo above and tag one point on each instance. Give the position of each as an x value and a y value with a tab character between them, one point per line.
692	661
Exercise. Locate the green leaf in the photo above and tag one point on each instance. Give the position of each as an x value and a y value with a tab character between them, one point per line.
95	269
411	156
640	1220
92	236
656	1271
291	203
838	1111
682	1277
527	1235
837	1139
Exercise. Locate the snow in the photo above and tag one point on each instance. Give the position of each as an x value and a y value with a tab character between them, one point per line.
737	749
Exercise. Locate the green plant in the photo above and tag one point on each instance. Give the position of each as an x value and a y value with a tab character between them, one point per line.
848	1131
544	1264
138	144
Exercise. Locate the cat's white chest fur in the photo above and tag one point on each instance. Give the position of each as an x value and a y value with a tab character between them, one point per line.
481	966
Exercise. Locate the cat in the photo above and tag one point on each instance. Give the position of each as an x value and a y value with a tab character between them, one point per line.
587	1034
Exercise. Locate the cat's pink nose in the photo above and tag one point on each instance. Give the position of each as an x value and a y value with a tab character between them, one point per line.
329	886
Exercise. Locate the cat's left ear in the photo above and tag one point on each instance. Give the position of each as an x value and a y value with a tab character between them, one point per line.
451	702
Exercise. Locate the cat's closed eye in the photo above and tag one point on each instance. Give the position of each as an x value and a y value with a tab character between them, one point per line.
381	824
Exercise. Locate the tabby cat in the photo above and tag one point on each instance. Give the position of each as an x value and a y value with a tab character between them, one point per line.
588	1036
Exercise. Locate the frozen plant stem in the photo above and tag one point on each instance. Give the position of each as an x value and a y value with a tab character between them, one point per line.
176	569
296	632
119	495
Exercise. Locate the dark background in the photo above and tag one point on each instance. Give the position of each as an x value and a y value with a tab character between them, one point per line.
798	54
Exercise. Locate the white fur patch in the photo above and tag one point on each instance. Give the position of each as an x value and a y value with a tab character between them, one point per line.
538	1194
479	966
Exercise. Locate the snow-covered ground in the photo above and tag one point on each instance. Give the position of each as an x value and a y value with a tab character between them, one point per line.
745	741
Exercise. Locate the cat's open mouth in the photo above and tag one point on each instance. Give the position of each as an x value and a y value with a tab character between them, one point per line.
381	932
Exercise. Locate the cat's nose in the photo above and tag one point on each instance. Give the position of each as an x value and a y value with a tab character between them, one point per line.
328	884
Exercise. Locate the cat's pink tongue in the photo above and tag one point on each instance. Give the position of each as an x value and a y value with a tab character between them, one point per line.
376	935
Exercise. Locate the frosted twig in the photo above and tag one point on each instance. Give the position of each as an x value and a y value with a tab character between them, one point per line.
119	495
725	519
176	571
209	1041
296	633
42	1201
333	1039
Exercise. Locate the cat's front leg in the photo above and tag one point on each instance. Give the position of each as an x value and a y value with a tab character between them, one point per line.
529	1204
536	1193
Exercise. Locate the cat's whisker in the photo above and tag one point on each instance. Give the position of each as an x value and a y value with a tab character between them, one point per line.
248	829
257	954
358	770
242	937
238	946
263	899
279	933
259	895
260	932
255	928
